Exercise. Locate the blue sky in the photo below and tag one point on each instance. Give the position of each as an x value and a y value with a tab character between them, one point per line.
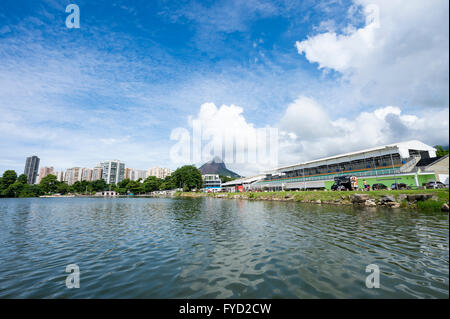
135	70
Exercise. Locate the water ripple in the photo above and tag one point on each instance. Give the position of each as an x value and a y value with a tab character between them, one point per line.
212	248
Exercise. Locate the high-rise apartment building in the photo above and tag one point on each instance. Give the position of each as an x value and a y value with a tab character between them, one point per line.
59	176
31	169
97	173
138	174
113	171
44	171
86	174
135	174
66	176
159	172
128	173
73	175
78	174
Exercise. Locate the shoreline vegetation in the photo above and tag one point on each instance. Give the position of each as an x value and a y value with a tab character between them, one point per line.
424	200
49	186
431	200
189	178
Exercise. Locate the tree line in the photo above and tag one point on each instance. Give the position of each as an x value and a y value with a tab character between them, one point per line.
187	177
441	151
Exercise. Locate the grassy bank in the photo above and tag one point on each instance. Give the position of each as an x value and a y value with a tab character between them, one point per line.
438	197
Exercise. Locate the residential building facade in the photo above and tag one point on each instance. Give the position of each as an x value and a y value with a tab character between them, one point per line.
137	174
97	173
59	176
159	172
128	173
44	171
31	169
113	171
73	175
86	174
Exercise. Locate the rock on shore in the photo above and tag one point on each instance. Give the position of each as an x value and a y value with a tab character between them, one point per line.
360	198
370	203
445	207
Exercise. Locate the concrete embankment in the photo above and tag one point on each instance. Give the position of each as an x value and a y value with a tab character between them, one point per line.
433	200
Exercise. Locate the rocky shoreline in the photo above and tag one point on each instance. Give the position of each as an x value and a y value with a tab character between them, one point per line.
411	201
390	201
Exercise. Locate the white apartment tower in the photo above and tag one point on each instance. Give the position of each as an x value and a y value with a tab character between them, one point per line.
113	171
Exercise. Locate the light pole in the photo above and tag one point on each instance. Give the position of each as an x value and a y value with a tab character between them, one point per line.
304	182
393	168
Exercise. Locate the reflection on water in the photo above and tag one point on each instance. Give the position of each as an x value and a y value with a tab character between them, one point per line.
213	248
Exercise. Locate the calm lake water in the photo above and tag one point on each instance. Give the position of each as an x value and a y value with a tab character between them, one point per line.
218	248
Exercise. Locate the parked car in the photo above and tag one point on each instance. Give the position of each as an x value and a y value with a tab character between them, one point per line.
379	186
435	184
399	186
336	187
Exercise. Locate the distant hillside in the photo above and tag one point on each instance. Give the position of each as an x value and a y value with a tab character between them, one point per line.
216	166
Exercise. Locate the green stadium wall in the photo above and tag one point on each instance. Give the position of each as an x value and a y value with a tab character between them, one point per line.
389	180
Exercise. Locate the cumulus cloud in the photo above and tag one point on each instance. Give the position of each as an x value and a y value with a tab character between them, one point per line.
225	132
399	56
305	118
308	132
92	100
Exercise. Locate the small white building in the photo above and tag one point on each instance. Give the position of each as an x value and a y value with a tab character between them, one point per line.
211	182
107	194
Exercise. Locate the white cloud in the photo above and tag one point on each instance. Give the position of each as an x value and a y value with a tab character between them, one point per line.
305	117
308	132
76	108
226	133
399	56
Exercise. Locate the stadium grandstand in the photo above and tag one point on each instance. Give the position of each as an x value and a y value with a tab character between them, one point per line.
388	164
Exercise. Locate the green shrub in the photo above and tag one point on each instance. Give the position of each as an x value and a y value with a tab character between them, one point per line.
430	205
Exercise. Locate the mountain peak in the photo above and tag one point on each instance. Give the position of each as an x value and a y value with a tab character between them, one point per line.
216	160
217	166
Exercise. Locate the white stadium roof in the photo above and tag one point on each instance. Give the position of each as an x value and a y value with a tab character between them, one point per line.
407	145
245	180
